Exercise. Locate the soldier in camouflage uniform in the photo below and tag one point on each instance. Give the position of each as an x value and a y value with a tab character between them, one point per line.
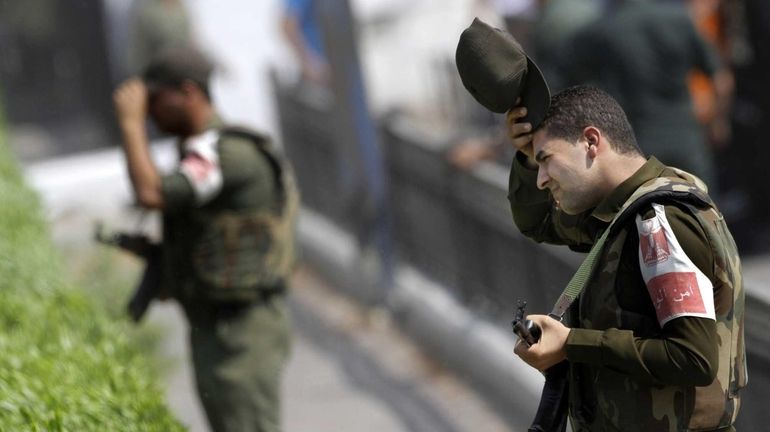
228	212
655	340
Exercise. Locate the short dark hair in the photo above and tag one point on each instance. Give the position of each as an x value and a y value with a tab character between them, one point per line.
575	108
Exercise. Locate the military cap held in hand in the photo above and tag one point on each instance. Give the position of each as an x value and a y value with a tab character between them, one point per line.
496	71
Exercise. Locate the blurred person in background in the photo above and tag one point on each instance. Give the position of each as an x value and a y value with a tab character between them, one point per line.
643	52
557	24
712	107
228	212
747	30
303	32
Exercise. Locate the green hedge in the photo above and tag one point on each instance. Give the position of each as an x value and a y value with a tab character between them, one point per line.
65	364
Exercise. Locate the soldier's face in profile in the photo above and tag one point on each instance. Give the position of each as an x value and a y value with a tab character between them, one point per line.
168	108
564	168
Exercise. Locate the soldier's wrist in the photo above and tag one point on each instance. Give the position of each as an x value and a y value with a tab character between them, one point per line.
132	130
584	346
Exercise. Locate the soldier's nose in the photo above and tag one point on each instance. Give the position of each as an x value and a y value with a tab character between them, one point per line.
542	179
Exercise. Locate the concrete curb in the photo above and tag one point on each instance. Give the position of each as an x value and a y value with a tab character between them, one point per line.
472	347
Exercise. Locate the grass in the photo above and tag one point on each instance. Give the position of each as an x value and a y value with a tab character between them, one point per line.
67	363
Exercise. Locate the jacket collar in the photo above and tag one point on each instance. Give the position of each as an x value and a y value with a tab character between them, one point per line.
610	206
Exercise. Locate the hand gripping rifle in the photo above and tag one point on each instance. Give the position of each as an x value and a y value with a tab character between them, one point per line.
140	245
551	414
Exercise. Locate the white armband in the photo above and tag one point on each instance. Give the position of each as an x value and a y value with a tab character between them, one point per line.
676	286
200	165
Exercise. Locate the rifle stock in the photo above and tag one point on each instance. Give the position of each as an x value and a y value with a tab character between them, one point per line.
551	415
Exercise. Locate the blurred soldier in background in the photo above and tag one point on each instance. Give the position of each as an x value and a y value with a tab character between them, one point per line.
228	212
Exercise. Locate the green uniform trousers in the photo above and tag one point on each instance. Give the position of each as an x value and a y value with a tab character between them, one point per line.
238	353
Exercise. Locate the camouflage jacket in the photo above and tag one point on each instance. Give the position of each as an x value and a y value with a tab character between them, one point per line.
657	335
230	237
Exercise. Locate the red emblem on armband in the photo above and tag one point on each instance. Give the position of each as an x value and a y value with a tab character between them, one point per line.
653	244
197	166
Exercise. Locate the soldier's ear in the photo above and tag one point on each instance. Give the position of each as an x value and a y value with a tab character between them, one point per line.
592	137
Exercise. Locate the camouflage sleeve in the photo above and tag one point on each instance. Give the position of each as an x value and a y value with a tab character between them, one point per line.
536	216
686	350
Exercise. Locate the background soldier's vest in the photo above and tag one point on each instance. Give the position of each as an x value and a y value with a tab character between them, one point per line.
244	255
604	400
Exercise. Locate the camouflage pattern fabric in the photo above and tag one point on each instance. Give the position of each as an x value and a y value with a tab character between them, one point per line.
624	403
240	253
605	394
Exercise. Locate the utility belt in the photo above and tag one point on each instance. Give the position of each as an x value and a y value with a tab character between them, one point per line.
202	311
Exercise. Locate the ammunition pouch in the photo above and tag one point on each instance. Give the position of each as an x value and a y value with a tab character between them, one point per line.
240	255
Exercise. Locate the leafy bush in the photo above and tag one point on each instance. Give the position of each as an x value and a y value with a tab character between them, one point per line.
65	364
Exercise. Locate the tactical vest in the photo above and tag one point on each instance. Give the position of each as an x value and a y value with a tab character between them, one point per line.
237	255
604	400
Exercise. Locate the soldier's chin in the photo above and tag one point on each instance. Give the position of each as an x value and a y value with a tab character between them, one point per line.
568	211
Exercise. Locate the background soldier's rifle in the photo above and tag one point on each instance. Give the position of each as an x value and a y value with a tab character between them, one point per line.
140	245
551	414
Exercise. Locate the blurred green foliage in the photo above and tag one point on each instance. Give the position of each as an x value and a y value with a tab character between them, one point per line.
66	364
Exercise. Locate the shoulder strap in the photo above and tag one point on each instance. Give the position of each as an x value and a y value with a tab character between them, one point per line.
659	190
281	171
263	144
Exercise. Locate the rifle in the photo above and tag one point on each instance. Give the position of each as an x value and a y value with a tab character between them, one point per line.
150	284
551	415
